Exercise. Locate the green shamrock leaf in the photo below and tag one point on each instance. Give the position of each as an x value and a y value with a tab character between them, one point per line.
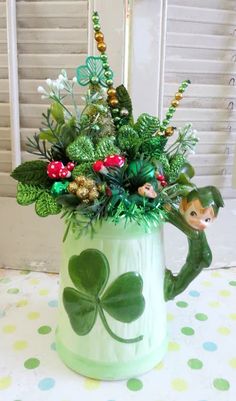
123	299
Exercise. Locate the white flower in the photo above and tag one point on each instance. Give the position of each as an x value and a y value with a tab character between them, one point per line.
74	79
49	82
40	89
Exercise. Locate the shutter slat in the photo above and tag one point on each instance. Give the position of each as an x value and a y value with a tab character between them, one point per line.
201	47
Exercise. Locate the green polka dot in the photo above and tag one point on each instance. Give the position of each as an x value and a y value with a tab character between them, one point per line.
206	283
5	280
195	364
215	274
172	346
134	384
9	328
179	385
224	293
232	316
43	292
233	283
5	382
232	363
13	290
44	329
31	363
221	384
201	316
33	315
182	304
34	281
225	331
214	304
22	302
170	317
159	366
91	384
187	331
20	345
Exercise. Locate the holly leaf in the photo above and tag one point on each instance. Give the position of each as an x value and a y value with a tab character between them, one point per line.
123	299
32	172
27	194
89	272
82	311
46	205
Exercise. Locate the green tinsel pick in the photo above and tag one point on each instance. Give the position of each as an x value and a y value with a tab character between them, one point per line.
154	146
106	147
163	159
27	194
81	150
46	205
147	125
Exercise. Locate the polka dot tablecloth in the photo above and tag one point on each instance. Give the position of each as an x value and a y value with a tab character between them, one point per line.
199	366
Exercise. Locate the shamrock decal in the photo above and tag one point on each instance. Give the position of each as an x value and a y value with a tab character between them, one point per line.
93	72
123	299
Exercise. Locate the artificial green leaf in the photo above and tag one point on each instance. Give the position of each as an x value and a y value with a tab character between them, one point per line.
47	135
187	169
82	311
81	150
123	299
32	172
124	98
184	179
89	271
68	200
46	205
147	125
27	194
57	112
106	147
82	169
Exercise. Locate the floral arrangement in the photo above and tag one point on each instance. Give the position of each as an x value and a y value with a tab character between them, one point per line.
99	163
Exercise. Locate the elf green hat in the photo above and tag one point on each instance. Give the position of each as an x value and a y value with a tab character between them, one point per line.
208	196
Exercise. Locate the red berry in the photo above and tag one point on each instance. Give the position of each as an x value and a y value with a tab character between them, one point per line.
164	183
160	177
98	165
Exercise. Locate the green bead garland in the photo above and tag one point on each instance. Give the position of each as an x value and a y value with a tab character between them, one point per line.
172	108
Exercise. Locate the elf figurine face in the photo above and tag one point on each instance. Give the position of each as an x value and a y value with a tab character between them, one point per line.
200	207
147	190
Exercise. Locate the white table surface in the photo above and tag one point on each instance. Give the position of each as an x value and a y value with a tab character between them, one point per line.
200	364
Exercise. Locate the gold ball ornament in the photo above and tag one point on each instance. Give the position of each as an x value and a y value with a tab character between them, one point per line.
178	96
98	36
169	131
101	46
113	101
111	92
175	103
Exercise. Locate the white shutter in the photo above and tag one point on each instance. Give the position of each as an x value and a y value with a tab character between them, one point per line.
201	46
5	143
51	35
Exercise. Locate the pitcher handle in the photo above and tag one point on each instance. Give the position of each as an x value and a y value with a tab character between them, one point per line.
199	256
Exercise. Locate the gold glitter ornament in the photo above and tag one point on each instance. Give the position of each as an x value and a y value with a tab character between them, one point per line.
111	92
80	180
113	101
72	187
82	193
93	194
